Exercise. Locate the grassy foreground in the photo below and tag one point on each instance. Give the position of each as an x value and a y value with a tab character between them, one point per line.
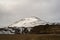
31	37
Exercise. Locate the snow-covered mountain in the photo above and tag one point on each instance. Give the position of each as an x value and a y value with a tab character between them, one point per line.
28	22
26	26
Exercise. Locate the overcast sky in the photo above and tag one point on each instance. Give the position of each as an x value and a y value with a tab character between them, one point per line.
12	10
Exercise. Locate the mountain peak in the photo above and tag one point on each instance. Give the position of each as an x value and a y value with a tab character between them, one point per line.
28	22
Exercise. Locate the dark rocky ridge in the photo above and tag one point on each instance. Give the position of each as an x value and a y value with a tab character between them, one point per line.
40	29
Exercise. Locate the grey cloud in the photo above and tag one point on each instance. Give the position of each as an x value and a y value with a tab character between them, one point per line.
47	10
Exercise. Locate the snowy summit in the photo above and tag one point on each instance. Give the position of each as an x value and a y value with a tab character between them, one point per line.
28	22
